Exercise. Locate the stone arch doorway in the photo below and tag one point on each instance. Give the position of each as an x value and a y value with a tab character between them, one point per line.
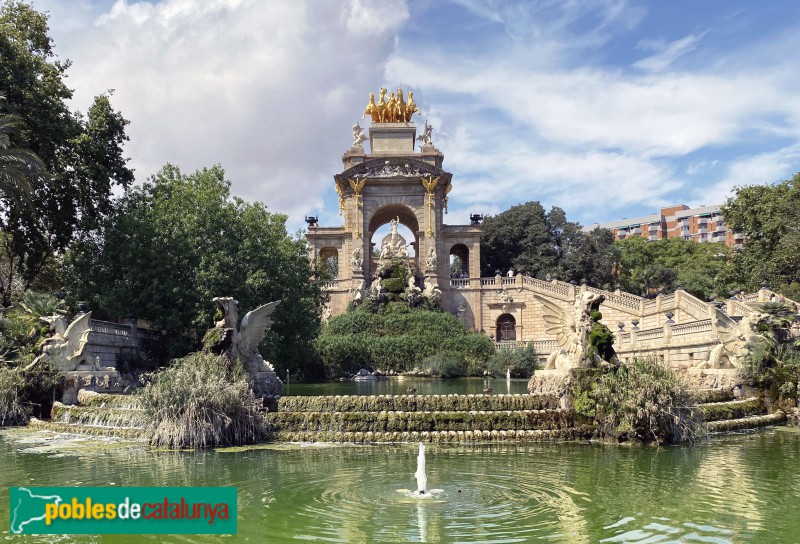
506	328
459	261
383	216
329	261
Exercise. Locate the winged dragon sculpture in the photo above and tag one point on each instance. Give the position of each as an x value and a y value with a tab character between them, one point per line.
736	340
245	341
66	350
572	331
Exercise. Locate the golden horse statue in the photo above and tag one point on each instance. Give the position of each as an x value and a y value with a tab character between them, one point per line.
395	110
372	109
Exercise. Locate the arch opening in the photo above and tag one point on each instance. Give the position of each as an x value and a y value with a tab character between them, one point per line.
459	261
380	229
506	328
329	261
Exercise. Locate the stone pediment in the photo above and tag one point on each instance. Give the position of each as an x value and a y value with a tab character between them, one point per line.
393	168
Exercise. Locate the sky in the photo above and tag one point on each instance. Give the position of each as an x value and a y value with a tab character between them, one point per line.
605	108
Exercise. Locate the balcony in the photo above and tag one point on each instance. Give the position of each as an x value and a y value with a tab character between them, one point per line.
652	238
637	230
738	236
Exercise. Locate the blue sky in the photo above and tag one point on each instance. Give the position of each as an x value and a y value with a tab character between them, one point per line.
606	108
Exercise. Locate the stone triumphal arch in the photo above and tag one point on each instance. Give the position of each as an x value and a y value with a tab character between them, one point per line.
401	181
397	181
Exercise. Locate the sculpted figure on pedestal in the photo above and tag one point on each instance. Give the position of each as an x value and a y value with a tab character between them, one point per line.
572	331
66	349
736	340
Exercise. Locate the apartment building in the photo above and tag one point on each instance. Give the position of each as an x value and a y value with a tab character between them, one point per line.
703	224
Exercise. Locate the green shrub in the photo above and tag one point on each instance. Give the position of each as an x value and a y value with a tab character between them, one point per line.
27	392
397	341
199	401
445	365
643	400
520	361
12	409
394	285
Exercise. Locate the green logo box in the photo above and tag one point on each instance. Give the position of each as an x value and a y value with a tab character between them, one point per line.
123	510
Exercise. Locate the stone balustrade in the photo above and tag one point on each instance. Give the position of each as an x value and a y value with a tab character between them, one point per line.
694	327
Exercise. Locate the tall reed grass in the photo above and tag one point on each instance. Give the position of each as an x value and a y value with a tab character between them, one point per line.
201	400
12	409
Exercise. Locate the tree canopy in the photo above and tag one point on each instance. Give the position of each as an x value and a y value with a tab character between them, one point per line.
532	241
174	243
647	268
768	216
82	153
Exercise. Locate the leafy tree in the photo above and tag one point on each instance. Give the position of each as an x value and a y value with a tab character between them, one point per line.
82	154
768	216
532	241
176	242
647	268
17	166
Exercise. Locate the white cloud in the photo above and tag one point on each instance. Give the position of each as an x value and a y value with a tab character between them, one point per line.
666	54
535	111
267	89
769	167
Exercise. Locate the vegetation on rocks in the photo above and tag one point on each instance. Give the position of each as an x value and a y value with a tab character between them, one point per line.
638	401
400	342
24	393
201	400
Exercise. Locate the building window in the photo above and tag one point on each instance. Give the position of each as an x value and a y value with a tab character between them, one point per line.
506	328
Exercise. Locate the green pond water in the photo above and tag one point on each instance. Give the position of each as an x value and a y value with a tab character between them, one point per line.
398	385
735	488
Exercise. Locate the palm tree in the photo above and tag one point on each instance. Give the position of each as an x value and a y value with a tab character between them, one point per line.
18	167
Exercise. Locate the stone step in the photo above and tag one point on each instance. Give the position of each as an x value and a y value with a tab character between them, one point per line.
414	403
704	396
734	409
453	437
98	416
93	430
107	400
400	421
751	422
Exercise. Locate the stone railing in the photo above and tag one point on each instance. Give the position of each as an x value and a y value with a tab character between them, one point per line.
560	289
459	283
692	305
487	281
694	327
541	347
508	281
330	285
736	307
107	327
624	300
650	335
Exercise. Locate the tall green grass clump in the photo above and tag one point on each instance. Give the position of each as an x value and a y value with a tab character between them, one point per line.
12	409
201	400
24	393
640	401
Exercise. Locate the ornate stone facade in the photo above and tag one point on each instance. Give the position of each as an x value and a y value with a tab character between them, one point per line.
397	182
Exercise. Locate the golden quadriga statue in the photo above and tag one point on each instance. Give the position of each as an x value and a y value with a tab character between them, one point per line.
394	110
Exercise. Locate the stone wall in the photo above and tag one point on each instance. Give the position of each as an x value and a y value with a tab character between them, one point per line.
111	341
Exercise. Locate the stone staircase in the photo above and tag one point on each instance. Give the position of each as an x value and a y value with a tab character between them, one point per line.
97	414
722	413
429	418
